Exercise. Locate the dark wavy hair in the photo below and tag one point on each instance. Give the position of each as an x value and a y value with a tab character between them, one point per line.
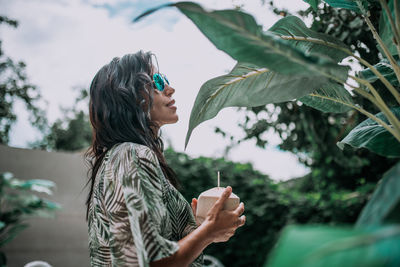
121	96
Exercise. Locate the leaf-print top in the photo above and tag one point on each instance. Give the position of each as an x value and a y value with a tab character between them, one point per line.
135	215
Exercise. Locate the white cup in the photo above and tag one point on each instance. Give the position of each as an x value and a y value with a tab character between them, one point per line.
208	198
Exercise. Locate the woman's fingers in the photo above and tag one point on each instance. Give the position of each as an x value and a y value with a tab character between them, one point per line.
242	220
219	204
240	209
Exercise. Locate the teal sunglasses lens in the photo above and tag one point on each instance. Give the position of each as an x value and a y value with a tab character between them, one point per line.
160	80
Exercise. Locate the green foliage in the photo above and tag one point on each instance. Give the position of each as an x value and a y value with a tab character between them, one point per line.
334	99
373	136
386	31
18	201
384	206
337	246
76	135
71	133
384	68
14	86
295	31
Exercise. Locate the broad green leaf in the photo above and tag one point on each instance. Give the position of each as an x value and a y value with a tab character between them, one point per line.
385	69
371	135
247	86
385	30
347	4
324	246
313	4
2	225
331	97
384	205
293	29
238	34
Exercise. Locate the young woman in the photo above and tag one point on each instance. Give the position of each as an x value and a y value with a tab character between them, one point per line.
135	214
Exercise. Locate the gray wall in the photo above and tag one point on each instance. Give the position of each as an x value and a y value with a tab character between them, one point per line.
61	241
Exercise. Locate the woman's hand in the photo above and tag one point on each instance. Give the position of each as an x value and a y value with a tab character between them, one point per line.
222	224
218	226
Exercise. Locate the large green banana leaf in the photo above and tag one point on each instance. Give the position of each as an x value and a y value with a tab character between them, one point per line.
237	33
247	85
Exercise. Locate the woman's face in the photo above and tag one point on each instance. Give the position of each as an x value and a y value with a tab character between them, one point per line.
163	110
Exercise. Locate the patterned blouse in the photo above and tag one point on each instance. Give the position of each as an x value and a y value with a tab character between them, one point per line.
135	216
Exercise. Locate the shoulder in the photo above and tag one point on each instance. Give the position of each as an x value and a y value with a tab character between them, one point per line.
131	152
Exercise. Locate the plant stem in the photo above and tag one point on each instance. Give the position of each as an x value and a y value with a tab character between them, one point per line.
375	98
366	113
388	85
392	24
386	51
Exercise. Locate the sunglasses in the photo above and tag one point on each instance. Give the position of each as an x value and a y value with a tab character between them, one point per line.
160	80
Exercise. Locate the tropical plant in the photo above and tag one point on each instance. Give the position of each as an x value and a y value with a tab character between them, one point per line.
312	135
17	204
290	61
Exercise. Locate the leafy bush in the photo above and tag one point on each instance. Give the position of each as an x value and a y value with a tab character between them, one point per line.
17	203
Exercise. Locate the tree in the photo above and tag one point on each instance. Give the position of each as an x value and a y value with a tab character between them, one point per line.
14	86
70	133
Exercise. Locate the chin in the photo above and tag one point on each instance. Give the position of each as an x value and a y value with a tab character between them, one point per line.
176	119
172	120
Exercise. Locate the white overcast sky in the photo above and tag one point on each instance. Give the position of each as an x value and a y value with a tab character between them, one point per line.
65	42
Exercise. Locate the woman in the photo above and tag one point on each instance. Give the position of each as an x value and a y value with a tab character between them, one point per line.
135	214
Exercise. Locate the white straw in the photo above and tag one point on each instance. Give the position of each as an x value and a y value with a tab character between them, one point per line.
218	179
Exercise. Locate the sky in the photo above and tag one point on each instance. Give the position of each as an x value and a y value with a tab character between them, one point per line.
65	42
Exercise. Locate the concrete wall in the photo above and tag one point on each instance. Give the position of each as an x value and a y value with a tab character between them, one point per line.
61	241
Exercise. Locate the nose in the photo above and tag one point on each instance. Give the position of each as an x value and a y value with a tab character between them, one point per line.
168	90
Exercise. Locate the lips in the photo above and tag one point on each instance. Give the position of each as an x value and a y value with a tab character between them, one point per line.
171	103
